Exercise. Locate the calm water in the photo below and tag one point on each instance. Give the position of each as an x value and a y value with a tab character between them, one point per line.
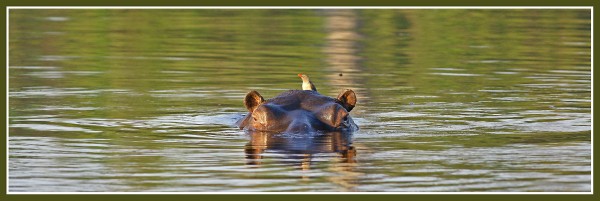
448	100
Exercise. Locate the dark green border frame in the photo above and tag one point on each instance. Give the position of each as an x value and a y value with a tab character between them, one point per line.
300	3
252	197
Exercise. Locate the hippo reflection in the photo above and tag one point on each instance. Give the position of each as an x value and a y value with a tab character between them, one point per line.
300	147
299	111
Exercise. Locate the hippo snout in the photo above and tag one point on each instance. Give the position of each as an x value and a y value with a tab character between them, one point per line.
300	127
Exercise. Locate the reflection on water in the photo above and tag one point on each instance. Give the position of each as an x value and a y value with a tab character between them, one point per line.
448	100
302	145
303	151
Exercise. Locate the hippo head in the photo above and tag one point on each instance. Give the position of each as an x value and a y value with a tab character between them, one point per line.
297	111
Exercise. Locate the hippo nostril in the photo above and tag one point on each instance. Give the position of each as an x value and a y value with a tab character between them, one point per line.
299	127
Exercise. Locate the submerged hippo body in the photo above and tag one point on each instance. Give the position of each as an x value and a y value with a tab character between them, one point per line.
297	111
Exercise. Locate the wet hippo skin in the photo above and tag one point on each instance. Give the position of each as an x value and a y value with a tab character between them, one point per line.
297	111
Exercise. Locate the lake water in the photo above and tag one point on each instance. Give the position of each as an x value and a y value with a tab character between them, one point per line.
448	100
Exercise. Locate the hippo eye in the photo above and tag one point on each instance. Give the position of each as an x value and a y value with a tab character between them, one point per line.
345	118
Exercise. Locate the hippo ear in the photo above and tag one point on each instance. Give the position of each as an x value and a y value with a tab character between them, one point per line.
347	99
253	99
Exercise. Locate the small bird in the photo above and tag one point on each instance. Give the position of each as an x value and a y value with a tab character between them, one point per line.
306	83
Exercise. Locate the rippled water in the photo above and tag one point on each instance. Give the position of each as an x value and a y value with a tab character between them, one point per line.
448	100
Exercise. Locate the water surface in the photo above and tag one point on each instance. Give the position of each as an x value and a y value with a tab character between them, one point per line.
448	100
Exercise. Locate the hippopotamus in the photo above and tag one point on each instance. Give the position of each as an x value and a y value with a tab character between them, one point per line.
299	111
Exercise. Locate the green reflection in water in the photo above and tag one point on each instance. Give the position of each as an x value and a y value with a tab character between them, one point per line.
449	100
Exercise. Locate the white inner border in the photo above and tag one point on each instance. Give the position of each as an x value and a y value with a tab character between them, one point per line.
591	8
